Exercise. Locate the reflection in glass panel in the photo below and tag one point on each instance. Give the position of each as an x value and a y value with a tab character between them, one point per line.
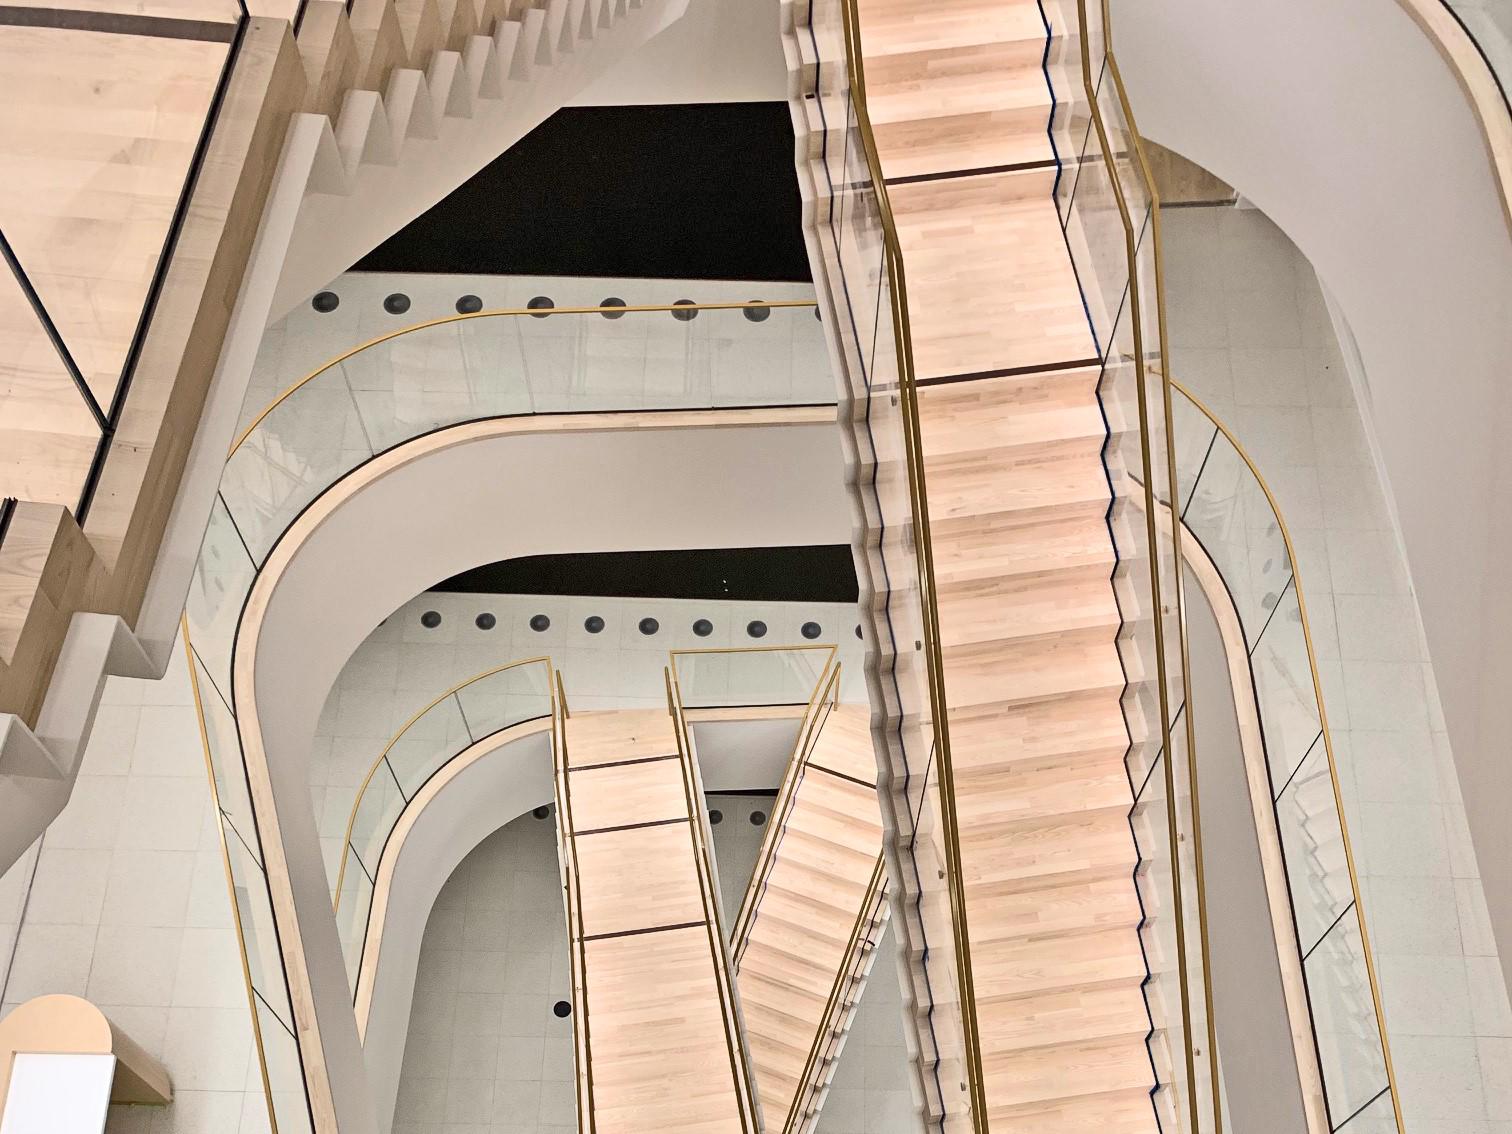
1283	682
1316	867
255	913
356	900
280	1054
1378	1117
223	576
785	676
1349	1044
377	810
506	698
304	444
1229	514
226	762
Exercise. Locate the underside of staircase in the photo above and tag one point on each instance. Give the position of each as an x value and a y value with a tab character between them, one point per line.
813	908
1013	439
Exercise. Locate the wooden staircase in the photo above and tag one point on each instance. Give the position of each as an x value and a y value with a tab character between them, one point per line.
811	917
1019	504
322	146
409	98
659	1047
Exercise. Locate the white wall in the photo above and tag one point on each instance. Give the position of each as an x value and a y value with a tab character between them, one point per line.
720	51
492	498
1344	123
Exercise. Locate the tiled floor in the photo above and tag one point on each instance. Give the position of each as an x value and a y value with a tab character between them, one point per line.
128	906
486	1054
1251	336
403	665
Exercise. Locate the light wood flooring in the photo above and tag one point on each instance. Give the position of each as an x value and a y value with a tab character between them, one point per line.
808	890
97	131
1018	499
658	1040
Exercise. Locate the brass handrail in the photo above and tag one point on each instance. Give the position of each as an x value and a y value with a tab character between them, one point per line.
236	914
924	555
1141	358
346	842
706	651
573	903
740	1070
1333	772
867	918
824	700
535	312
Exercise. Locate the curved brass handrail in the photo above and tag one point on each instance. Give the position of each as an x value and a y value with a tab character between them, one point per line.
346	842
1479	79
1333	771
535	312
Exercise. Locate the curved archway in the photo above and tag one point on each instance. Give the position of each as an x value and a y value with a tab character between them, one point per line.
443	503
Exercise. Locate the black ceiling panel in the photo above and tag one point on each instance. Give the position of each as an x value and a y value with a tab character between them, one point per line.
746	574
700	191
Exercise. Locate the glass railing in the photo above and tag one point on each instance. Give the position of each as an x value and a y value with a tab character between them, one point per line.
1227	508
483	705
275	1031
512	364
1109	210
747	676
424	378
857	235
825	697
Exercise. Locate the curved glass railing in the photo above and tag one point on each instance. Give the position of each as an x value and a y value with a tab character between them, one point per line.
509	364
275	1032
484	704
1229	510
1488	23
391	390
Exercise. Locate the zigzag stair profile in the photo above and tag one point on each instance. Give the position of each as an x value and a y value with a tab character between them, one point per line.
813	903
389	82
1013	437
652	1022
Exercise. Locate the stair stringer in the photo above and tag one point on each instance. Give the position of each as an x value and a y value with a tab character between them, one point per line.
333	230
903	892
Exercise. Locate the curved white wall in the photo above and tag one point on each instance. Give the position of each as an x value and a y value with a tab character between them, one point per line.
1342	120
498	495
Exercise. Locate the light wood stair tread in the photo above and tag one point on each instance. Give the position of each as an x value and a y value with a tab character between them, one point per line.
607	737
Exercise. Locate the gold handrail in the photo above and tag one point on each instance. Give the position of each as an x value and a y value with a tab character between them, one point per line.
704	651
740	1070
236	913
924	555
867	918
1141	359
346	842
1333	772
823	701
573	901
537	312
